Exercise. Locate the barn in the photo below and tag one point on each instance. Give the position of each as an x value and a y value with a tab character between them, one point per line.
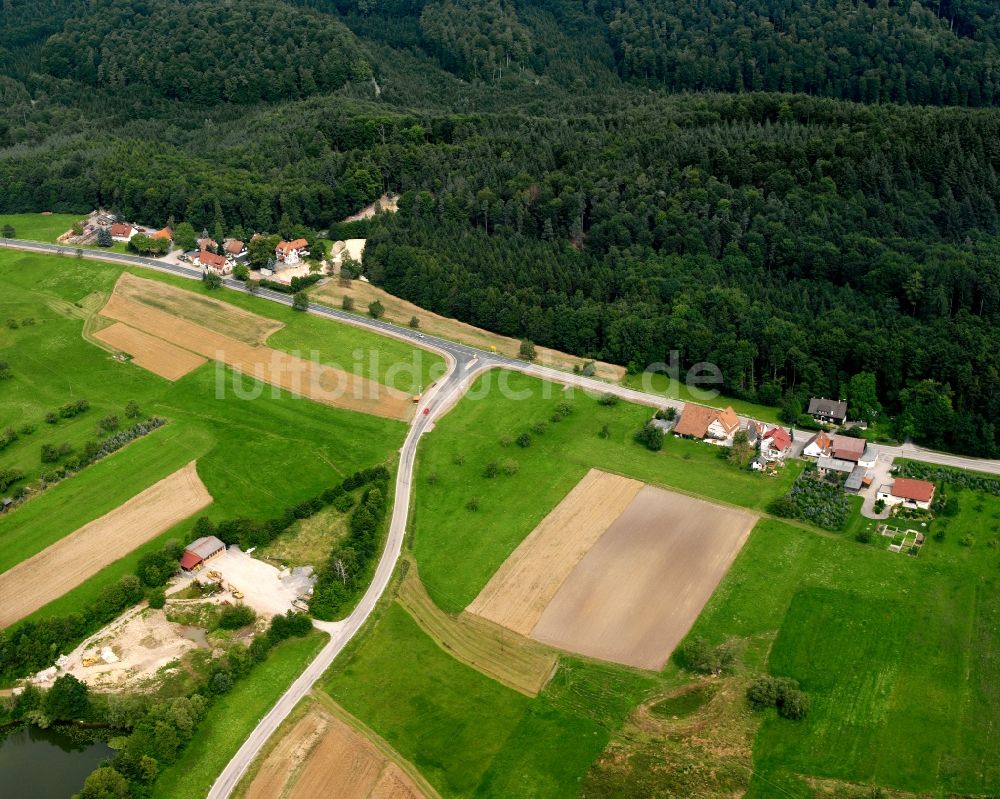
198	552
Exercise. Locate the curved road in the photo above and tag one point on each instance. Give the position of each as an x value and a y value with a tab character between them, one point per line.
464	364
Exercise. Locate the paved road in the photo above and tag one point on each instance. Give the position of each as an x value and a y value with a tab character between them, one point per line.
463	363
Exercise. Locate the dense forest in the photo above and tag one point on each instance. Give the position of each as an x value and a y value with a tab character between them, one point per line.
808	193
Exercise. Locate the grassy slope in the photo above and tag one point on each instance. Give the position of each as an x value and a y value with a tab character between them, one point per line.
897	654
231	719
256	457
459	550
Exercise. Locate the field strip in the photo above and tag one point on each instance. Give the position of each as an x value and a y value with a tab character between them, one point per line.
633	597
59	568
427	791
217	315
154	354
501	654
517	595
310	379
325	751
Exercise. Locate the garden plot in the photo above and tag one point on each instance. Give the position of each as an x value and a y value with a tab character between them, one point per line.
905	541
306	378
633	587
59	568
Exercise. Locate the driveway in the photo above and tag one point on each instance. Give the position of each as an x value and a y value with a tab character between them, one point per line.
881	471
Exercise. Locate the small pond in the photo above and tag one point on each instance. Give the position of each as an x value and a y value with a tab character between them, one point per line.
47	764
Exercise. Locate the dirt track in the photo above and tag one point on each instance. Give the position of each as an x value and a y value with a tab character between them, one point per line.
636	593
323	756
158	356
306	378
523	586
67	563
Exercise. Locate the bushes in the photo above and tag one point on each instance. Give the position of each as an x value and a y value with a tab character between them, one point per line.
235	616
157	599
779	692
8	477
608	400
71	409
155	568
696	654
8	437
651	437
344	574
813	500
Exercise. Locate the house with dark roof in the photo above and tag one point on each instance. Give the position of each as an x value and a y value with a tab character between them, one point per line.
828	410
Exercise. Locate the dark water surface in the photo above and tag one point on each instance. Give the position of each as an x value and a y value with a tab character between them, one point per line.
46	764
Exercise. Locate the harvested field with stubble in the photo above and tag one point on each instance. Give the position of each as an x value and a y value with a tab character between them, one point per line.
323	755
59	568
151	353
510	659
618	571
306	378
517	595
222	317
640	588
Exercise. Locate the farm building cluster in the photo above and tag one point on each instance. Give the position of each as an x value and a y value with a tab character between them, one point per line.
843	457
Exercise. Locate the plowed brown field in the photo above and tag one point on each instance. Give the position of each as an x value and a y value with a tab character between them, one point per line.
637	592
62	566
155	354
323	756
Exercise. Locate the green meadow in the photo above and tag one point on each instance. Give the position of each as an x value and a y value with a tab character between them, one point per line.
459	550
255	456
900	655
40	227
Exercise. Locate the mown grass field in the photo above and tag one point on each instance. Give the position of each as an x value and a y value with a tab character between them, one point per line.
255	456
459	550
231	718
40	227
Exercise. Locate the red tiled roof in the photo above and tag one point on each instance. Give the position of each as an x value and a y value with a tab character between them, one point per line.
915	490
848	448
211	259
234	246
695	420
288	246
166	233
780	440
189	560
120	229
728	419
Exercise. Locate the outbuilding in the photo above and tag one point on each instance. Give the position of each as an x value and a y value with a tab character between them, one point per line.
201	550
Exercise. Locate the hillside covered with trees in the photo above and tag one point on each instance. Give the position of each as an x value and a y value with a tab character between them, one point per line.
806	194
